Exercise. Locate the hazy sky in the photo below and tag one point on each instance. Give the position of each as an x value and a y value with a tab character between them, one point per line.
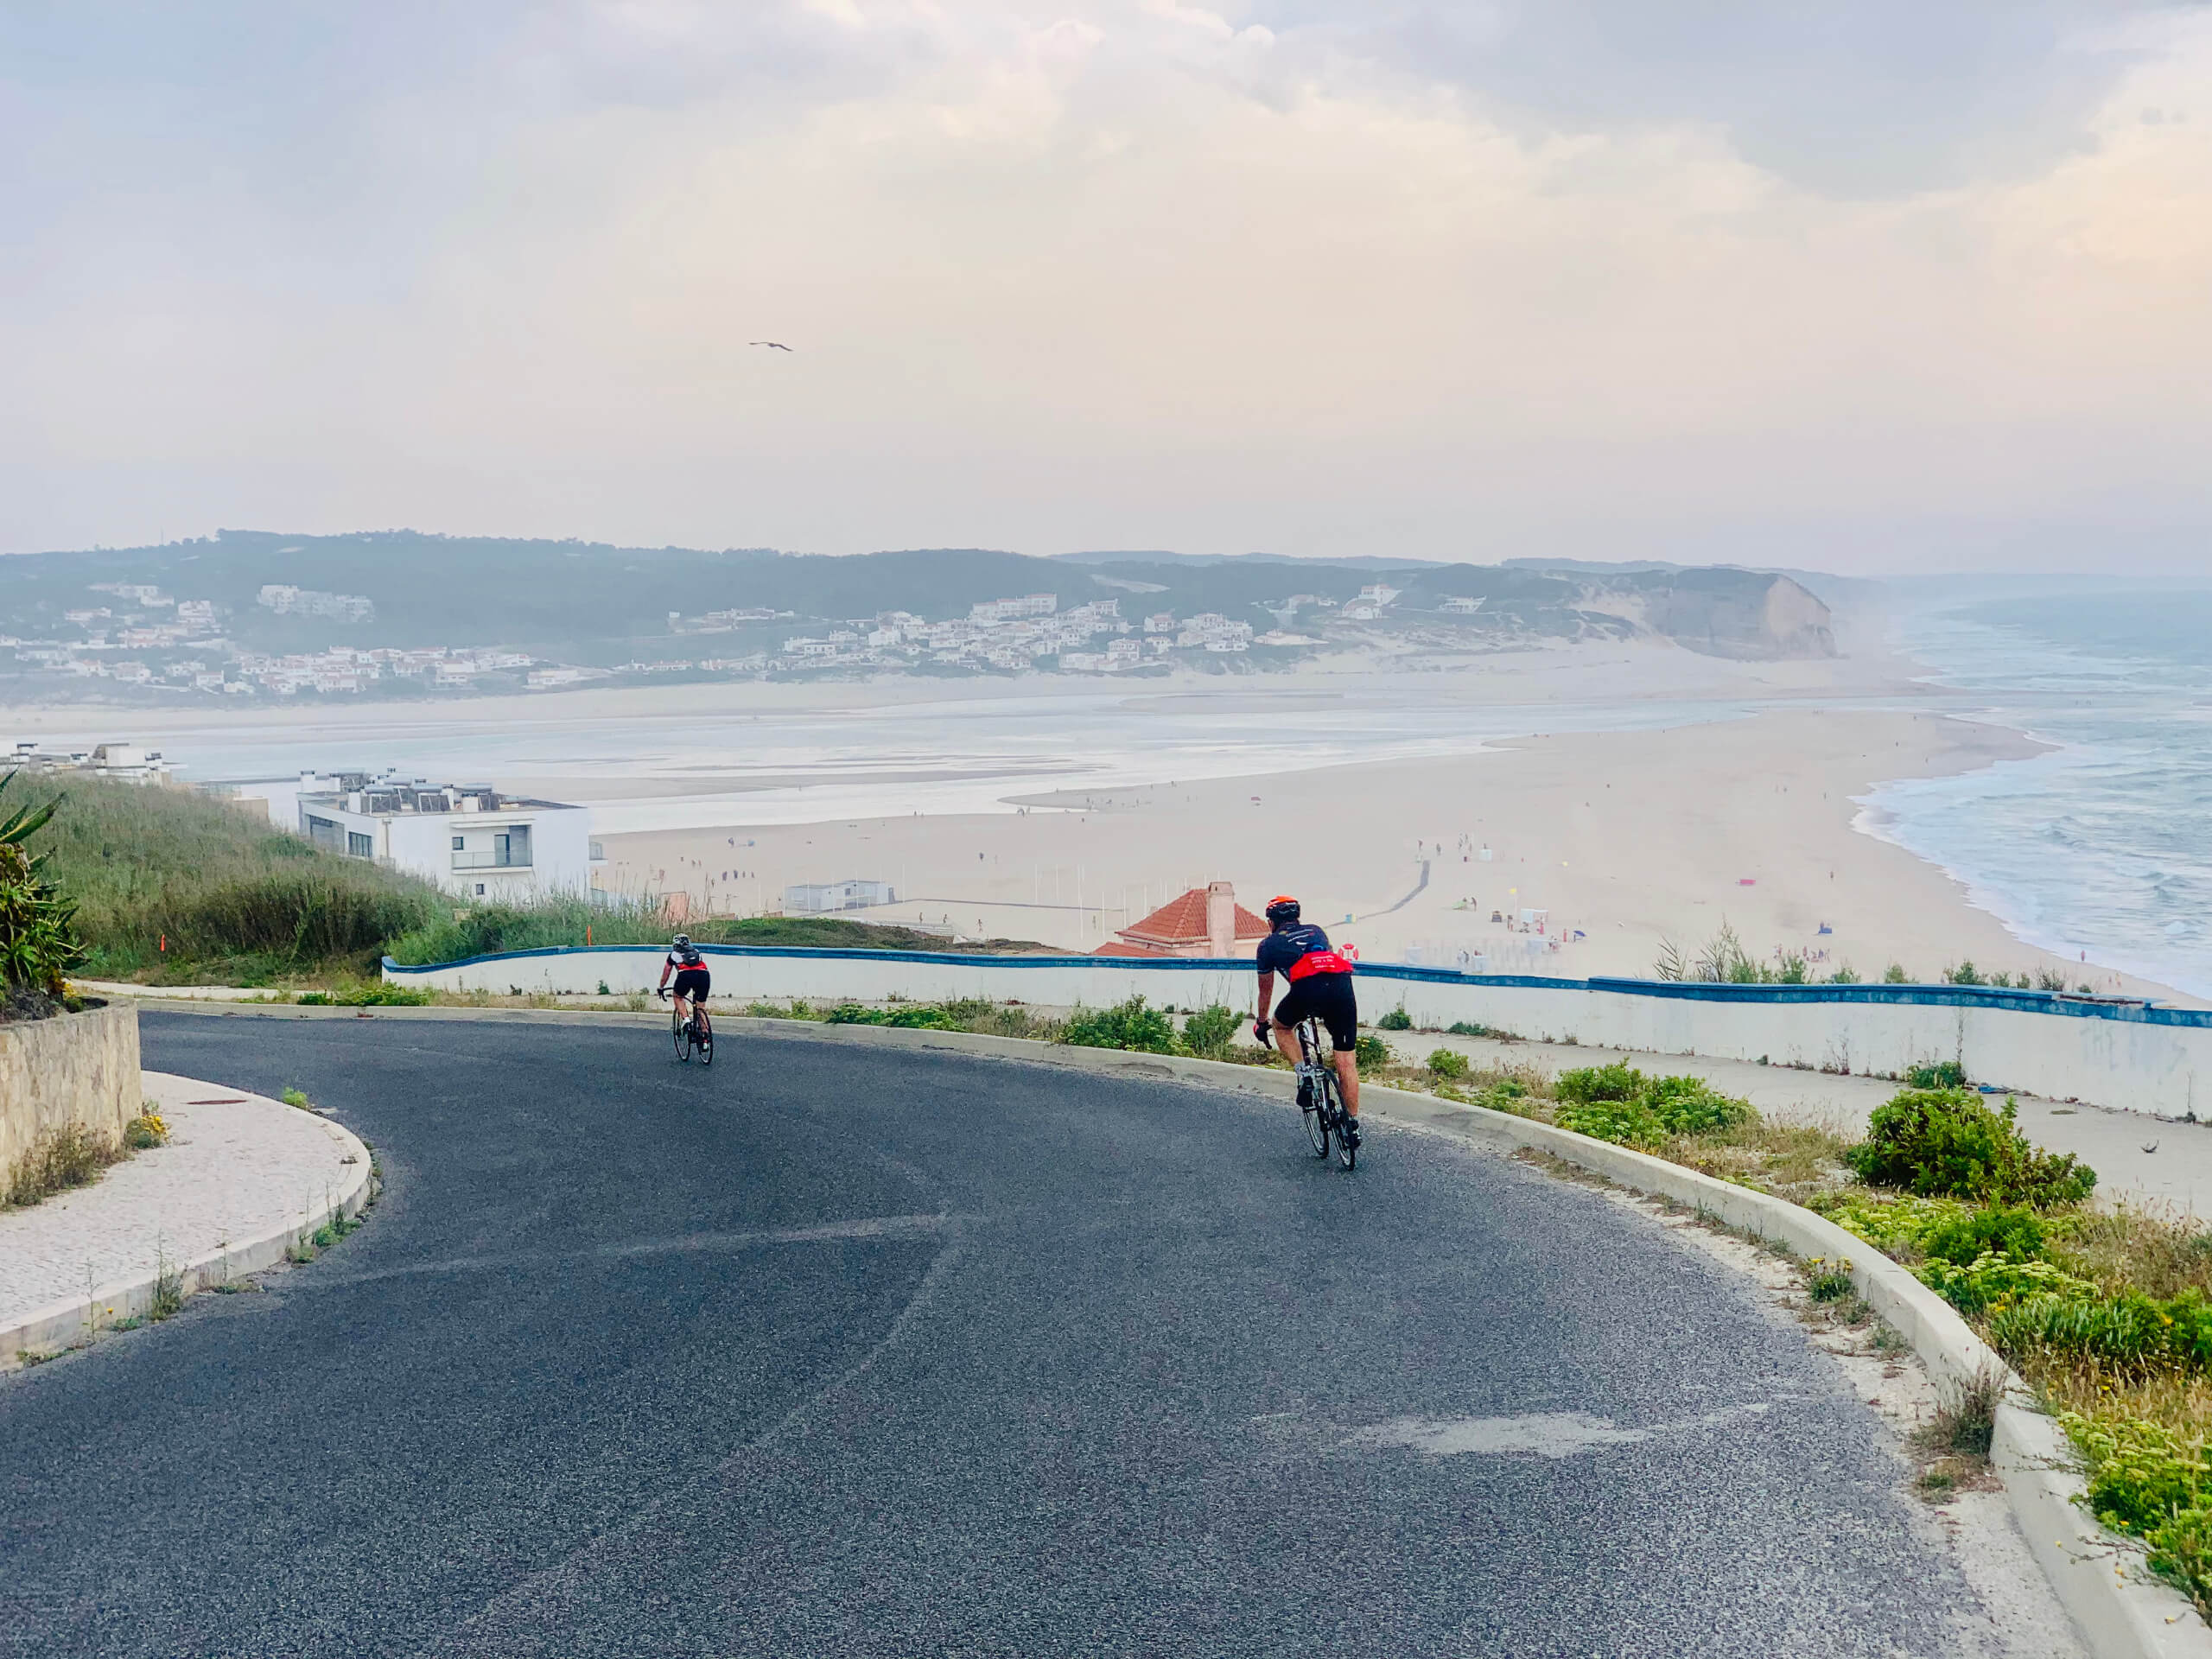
1875	284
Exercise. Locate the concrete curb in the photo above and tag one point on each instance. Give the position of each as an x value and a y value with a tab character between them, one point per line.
2120	1610
67	1324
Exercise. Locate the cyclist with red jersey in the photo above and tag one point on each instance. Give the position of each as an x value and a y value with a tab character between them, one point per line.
1321	988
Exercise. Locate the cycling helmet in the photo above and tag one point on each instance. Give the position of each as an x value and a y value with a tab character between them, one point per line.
1282	910
683	941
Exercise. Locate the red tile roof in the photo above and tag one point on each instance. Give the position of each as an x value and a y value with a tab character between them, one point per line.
1115	948
1183	921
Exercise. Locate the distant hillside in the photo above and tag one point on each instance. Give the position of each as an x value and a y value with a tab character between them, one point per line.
399	612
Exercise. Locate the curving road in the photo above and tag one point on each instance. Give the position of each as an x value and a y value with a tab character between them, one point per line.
840	1351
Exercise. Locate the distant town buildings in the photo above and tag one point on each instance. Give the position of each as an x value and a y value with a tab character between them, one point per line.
152	640
306	601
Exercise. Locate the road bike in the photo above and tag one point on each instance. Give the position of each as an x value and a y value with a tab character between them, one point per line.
694	1035
1320	1096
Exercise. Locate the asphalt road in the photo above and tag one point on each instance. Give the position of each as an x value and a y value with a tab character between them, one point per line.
837	1350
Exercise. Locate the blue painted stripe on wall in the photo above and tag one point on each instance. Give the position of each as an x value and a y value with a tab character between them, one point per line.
2050	1002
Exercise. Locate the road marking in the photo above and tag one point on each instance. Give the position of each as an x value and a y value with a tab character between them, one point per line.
1541	1434
864	1227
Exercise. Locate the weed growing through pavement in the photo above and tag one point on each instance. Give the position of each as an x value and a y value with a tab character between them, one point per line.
71	1156
1828	1281
168	1285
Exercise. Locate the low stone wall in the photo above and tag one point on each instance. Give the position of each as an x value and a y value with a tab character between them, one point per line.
75	1068
2141	1058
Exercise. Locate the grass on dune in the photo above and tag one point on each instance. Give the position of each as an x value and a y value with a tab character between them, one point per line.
234	898
552	923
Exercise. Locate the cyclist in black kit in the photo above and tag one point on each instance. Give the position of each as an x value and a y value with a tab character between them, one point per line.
1320	986
692	980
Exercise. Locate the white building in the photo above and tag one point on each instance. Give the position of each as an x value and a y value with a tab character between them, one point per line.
814	897
471	841
288	601
124	763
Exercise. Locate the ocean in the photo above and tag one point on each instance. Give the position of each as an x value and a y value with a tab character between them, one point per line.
2101	847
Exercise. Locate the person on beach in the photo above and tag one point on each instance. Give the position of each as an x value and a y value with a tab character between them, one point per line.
1320	986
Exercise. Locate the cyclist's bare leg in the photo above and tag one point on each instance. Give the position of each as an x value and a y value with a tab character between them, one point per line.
1287	1041
1348	1080
683	1009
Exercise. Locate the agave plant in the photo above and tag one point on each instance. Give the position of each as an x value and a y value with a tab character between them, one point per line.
38	936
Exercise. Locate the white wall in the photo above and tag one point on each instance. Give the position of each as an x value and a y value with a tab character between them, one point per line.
2096	1057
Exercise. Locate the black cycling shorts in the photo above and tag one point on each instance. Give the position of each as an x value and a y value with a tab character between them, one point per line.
691	983
1326	997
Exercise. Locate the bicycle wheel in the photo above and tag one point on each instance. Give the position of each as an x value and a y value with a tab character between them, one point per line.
1346	1152
704	1041
681	1028
1316	1120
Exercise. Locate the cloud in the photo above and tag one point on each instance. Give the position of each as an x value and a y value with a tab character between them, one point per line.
1098	273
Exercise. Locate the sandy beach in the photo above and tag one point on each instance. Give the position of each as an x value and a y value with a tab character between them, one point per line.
1625	841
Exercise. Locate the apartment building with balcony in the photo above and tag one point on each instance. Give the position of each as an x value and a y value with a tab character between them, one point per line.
471	840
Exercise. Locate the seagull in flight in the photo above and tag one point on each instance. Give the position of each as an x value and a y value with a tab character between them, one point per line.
777	344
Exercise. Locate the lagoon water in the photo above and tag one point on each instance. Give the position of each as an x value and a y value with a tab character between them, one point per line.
675	770
2103	845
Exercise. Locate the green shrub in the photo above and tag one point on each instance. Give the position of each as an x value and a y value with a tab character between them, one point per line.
2130	1331
1991	1281
1507	1096
2152	1483
1641	1109
1895	974
851	1014
1130	1024
1448	1063
1463	1028
921	1019
1949	1143
1697	1109
1371	1053
1588	1083
1626	1122
1943	1074
1964	973
373	994
38	934
1210	1029
2006	1230
1397	1020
